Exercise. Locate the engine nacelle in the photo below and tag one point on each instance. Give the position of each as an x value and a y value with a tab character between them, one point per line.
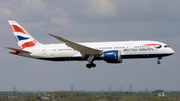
112	56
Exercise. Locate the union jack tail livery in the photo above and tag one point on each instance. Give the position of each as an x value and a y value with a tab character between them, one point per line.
24	39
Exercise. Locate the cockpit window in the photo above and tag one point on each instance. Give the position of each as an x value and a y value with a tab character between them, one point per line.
166	46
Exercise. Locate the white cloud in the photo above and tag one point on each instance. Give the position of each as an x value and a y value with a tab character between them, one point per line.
35	5
20	7
59	21
5	11
32	26
59	16
148	8
98	8
61	12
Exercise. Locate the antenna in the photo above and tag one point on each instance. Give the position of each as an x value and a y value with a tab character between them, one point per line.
146	89
109	88
71	87
120	89
14	89
130	88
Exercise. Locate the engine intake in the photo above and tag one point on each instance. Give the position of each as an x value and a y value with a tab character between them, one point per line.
112	56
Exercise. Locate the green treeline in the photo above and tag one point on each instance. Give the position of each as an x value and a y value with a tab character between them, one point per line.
80	96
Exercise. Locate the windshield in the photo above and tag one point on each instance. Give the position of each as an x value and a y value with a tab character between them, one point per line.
166	46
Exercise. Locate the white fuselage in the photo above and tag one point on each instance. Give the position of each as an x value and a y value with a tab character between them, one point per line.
111	52
128	49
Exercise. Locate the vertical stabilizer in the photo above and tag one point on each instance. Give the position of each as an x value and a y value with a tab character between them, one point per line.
24	39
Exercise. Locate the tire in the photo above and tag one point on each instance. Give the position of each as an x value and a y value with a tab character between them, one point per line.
88	66
93	65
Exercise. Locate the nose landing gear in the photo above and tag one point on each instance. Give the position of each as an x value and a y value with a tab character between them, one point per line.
158	62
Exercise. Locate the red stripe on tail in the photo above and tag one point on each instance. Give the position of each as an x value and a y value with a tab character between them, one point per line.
18	29
28	44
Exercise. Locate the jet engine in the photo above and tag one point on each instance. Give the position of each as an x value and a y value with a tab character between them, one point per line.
112	56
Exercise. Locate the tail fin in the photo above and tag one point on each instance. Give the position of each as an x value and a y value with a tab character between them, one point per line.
24	39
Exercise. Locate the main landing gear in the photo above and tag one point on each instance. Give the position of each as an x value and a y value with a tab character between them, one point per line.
158	62
90	63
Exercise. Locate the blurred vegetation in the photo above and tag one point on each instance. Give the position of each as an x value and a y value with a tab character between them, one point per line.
90	96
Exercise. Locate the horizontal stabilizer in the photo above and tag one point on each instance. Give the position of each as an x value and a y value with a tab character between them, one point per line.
18	50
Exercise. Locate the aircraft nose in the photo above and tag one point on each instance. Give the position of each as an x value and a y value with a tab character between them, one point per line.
172	51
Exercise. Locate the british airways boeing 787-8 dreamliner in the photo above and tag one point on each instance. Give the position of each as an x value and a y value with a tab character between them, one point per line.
111	52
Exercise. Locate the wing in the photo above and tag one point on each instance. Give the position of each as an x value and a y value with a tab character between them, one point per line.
84	50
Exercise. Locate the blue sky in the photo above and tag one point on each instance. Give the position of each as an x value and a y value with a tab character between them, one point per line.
88	21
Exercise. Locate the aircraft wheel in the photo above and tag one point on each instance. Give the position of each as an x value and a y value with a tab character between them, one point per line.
93	65
158	62
88	66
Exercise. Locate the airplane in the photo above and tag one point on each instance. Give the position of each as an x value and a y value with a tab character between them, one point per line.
111	52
